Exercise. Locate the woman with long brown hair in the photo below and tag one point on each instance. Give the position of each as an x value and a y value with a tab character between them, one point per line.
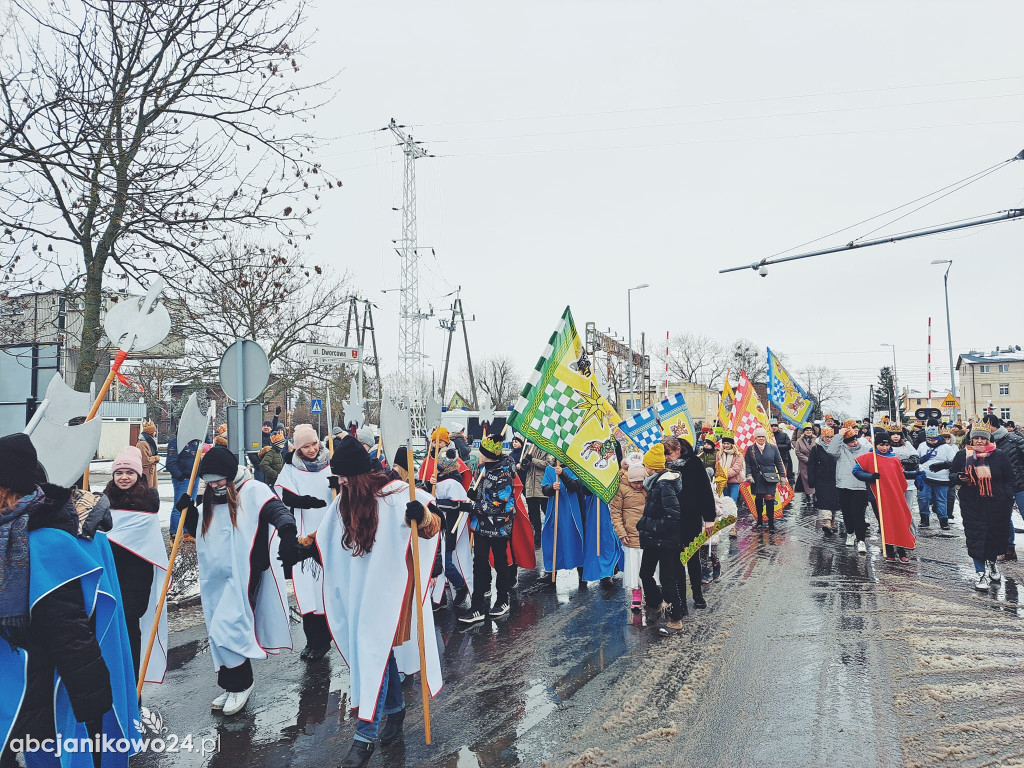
365	533
241	587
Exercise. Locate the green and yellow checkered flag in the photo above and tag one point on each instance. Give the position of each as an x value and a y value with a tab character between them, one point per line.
562	411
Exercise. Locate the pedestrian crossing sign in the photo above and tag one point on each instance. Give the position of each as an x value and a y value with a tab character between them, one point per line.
317	406
950	402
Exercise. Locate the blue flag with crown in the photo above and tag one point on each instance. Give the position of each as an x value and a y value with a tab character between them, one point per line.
793	403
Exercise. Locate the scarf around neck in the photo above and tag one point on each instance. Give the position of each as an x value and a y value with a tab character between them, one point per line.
14	582
312	465
979	473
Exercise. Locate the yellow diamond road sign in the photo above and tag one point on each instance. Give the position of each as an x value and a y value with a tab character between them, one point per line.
950	402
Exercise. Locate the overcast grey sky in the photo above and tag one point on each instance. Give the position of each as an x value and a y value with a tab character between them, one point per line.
584	147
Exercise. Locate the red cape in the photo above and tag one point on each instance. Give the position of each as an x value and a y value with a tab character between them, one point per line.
890	492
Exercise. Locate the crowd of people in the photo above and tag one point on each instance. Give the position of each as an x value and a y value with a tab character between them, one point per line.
334	516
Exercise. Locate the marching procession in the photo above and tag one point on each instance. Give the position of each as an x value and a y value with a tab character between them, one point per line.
374	548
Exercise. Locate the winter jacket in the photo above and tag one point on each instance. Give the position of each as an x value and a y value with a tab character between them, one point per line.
150	458
271	464
942	454
659	527
986	518
461	446
696	497
761	461
733	464
495	503
536	463
803	447
1012	446
627	507
62	638
171	462
845	459
821	476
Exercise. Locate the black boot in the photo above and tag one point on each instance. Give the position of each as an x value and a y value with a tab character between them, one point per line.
392	730
925	521
759	524
359	755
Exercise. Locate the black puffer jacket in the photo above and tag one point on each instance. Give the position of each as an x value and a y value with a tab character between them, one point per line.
696	497
62	638
660	527
1012	445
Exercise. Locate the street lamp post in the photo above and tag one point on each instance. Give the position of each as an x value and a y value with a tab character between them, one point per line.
629	312
895	388
949	333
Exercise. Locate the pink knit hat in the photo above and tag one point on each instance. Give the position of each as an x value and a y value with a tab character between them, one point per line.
636	472
129	458
304	434
759	432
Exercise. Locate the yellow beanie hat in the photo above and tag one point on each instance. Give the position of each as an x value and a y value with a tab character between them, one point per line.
655	458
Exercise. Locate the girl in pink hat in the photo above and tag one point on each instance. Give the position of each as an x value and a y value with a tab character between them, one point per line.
139	555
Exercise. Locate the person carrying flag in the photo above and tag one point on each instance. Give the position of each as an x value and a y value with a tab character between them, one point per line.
882	470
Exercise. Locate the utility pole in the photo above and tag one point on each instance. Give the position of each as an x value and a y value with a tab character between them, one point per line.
353	323
450	327
410	346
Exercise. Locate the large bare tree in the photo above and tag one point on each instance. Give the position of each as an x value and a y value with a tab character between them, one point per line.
697	358
265	294
136	135
826	387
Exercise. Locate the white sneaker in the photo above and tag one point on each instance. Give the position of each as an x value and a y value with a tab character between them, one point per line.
993	572
982	584
851	539
218	703
236	700
862	548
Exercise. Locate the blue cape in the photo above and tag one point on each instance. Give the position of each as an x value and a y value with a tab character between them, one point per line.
570	526
594	567
55	558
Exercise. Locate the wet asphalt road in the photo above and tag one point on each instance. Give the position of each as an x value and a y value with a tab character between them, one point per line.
808	654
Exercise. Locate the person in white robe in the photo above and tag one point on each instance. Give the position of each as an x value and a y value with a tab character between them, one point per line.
241	586
304	486
364	535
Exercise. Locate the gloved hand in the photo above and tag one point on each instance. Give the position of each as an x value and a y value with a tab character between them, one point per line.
414	511
97	519
938	466
184	502
295	501
312	502
277	411
472	493
525	462
334	484
289	550
874	476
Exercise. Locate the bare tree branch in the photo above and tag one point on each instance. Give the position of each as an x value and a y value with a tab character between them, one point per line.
140	135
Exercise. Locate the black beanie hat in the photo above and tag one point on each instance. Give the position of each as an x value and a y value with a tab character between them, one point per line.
18	463
882	436
350	458
219	461
402	459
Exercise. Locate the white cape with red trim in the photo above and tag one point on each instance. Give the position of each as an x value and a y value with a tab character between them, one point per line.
307	581
236	631
139	533
363	596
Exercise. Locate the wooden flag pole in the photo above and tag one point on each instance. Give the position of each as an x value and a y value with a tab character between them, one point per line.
554	547
424	685
878	483
167	577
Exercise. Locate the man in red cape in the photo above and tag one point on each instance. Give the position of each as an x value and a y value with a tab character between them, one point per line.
882	470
